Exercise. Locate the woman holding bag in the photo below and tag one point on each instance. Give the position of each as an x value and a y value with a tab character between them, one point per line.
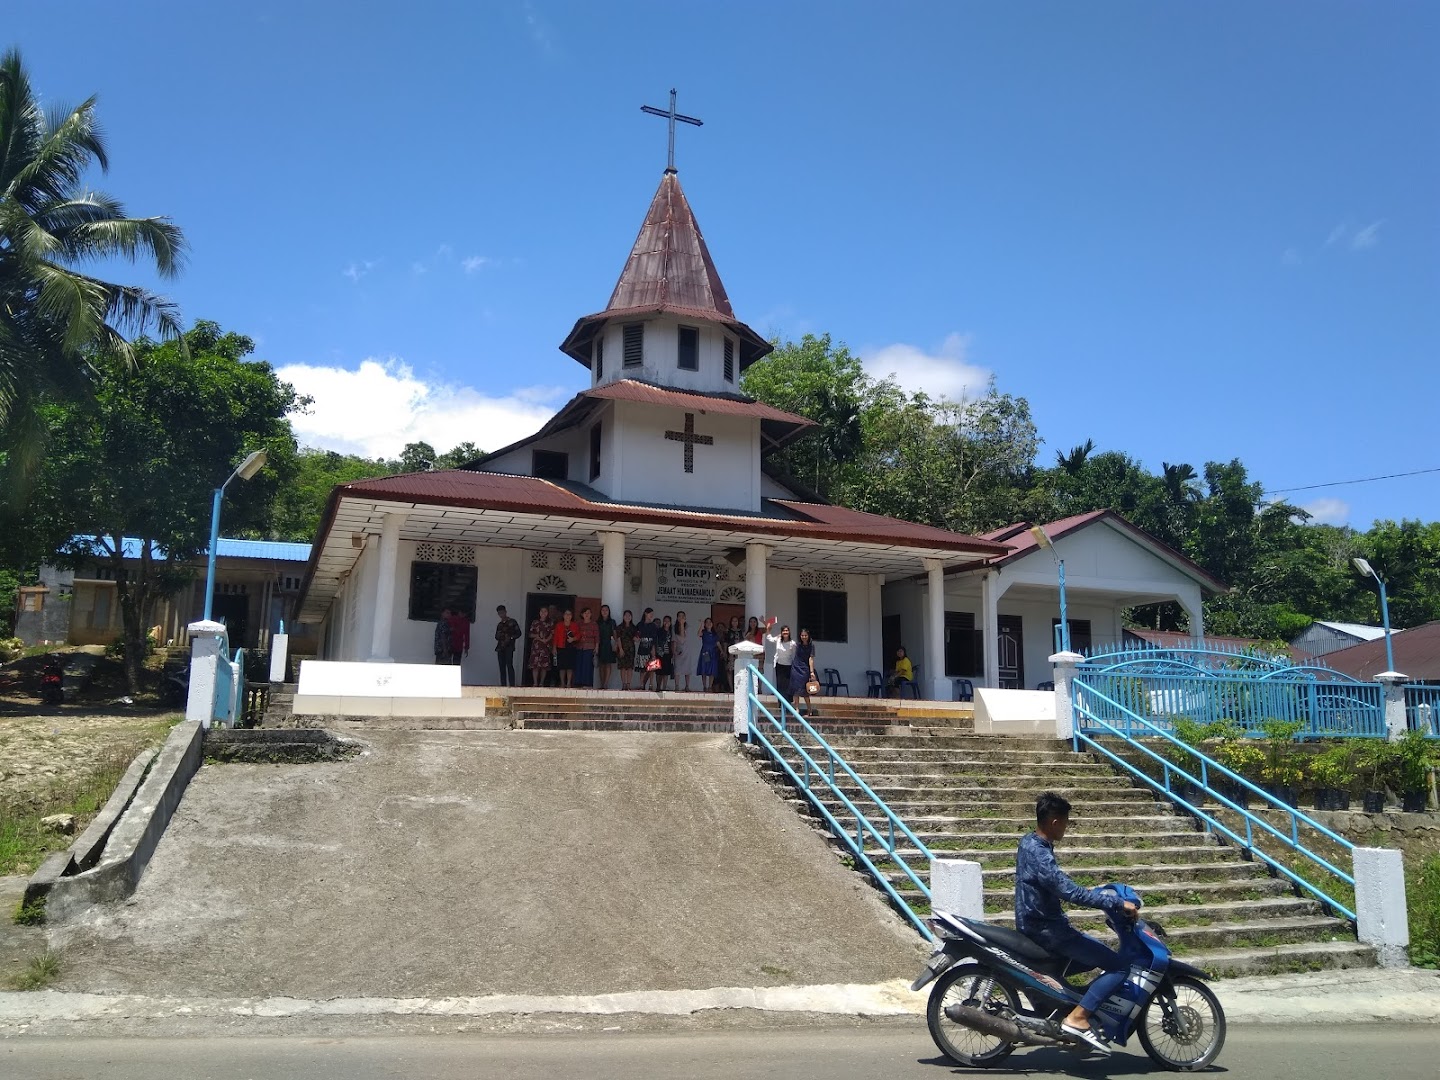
803	679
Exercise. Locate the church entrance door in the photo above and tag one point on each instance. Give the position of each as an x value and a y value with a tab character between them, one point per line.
1011	652
533	603
721	614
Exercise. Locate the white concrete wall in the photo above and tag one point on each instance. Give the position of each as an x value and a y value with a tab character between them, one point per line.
651	468
661	363
574	441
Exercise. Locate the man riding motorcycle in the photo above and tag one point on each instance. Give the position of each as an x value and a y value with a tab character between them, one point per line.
1040	886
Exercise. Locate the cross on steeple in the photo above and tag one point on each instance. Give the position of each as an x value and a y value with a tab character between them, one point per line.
671	115
689	438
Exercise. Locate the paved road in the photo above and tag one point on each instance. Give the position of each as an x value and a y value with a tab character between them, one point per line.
1252	1053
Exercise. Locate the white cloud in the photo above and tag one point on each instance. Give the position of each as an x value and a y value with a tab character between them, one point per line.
1337	234
1291	257
539	29
1327	511
378	408
942	373
471	263
356	270
1367	237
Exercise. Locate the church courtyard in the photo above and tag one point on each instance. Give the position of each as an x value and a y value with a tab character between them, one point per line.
443	863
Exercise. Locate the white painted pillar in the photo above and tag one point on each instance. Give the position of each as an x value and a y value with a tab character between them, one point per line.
279	653
207	649
935	631
747	654
1380	917
990	626
1193	603
612	571
876	658
385	576
1393	690
957	888
1064	664
757	597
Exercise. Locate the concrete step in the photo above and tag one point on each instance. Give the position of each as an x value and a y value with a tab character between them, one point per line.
1140	876
983	773
1174	831
950	757
1272	960
1174	916
1175	893
1187	941
985	807
1126	827
1077	858
958	793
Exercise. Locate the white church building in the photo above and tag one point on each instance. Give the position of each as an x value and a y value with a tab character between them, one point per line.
650	489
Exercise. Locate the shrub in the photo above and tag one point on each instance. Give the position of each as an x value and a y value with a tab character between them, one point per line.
11	649
1336	767
1425	915
1414	756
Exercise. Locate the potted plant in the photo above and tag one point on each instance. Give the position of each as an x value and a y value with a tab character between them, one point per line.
1240	755
1333	772
1414	758
1284	769
1377	768
1191	733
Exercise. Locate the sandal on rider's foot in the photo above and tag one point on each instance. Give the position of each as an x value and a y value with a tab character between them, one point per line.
1088	1037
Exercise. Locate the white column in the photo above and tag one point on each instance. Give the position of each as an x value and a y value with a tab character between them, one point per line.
385	574
1194	605
1064	664
612	571
757	599
207	648
935	632
957	888
876	659
990	626
1380	918
747	654
1393	689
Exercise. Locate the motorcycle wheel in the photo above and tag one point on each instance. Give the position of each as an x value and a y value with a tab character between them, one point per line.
975	985
1183	1027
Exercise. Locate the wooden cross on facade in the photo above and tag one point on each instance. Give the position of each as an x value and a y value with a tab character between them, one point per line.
689	438
671	115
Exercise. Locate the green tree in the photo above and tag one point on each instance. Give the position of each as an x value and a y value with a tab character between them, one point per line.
416	457
53	317
141	456
459	456
298	505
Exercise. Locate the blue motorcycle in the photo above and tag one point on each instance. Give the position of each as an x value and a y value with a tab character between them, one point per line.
995	989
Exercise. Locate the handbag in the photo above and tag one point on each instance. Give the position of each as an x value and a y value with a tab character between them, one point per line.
653	665
812	688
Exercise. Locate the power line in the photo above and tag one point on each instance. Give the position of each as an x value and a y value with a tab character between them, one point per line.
1362	480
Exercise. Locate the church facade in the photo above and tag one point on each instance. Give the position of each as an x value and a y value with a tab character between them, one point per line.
648	489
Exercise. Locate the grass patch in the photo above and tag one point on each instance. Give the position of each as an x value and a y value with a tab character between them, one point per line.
31	914
1423	893
24	842
40	972
776	972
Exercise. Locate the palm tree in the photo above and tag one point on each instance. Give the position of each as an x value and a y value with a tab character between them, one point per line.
53	316
1074	461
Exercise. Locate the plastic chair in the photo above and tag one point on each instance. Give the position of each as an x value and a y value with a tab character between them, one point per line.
964	689
877	684
914	685
1045	686
831	686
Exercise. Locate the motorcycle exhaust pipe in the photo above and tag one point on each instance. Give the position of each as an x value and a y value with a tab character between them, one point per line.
994	1025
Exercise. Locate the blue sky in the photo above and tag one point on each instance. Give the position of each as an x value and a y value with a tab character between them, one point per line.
1187	231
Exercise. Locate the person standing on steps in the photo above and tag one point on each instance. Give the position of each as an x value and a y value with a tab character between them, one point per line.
663	640
605	649
709	662
784	650
625	631
459	635
507	633
802	670
567	637
585	648
542	643
1040	887
645	647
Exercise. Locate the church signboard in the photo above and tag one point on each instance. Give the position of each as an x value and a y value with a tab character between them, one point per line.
684	583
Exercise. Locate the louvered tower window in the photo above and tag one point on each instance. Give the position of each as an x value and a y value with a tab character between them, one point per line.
729	360
599	358
689	349
634	344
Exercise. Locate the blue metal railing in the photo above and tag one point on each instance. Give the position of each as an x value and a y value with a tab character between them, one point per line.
1422	708
1098	710
812	776
1329	708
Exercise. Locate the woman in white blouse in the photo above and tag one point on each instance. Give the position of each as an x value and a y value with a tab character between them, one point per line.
783	646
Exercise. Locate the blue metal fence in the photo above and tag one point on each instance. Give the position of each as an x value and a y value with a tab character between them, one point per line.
1104	715
815	767
1422	708
1158	686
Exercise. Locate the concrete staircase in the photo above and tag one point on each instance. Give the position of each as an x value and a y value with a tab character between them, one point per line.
973	797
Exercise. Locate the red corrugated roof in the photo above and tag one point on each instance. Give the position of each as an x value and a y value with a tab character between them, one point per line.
649	394
1417	654
669	272
529	495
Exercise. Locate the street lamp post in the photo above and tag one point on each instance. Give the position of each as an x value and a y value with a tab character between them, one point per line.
245	470
1038	532
1363	565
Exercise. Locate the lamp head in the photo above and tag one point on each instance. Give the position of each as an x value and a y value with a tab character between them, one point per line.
1363	565
1040	538
252	465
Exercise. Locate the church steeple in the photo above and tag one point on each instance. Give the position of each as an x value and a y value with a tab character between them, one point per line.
670	285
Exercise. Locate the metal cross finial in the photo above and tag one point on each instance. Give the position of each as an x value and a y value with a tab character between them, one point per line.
671	115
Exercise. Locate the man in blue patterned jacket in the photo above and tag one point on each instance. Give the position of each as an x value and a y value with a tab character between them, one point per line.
1040	887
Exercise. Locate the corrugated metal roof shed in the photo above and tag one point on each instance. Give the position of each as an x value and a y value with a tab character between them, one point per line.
1417	654
277	550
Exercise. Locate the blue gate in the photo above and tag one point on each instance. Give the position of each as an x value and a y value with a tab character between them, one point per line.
1210	684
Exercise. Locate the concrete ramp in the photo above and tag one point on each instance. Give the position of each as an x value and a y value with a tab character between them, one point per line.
473	862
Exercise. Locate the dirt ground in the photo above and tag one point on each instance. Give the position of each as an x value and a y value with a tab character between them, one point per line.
40	753
470	862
